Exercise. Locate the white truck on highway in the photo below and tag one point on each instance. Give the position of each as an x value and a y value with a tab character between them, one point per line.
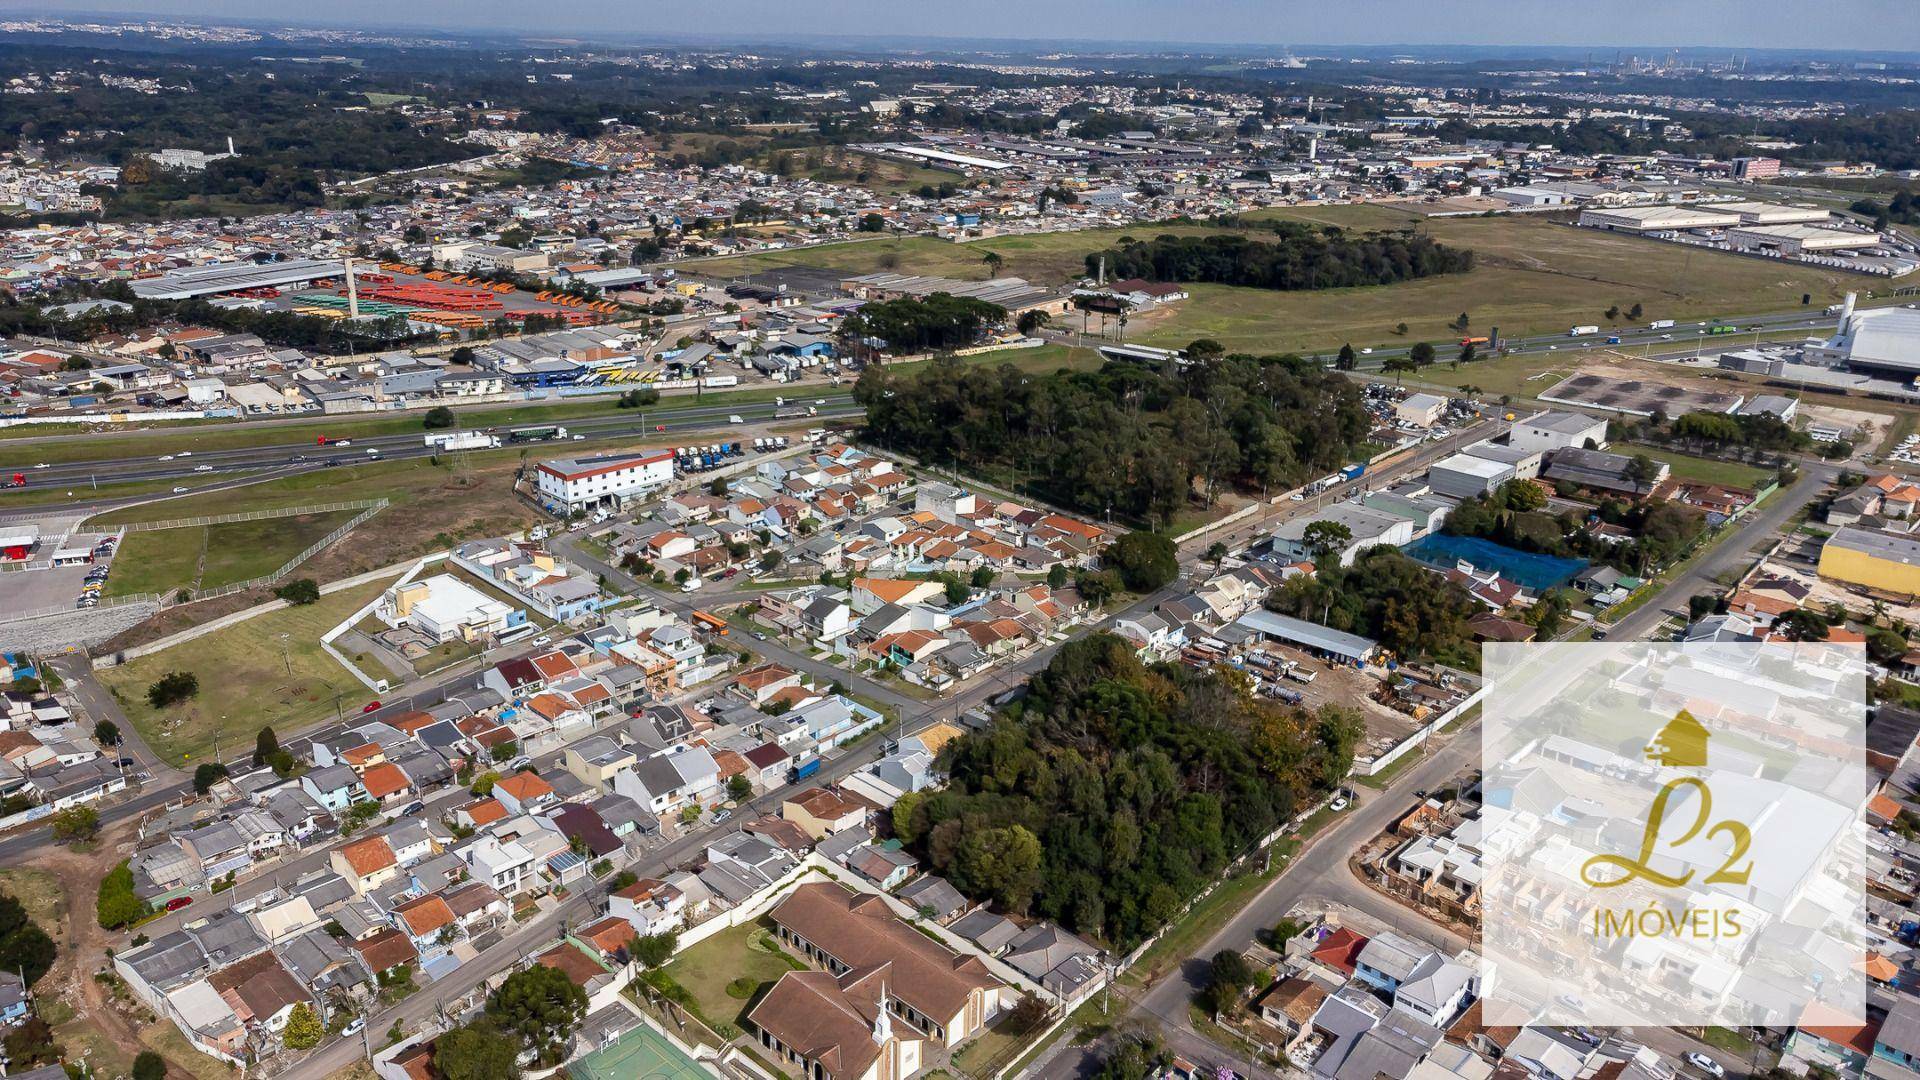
1660	324
462	440
1583	331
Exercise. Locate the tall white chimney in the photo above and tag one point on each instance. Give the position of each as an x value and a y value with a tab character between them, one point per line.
1313	148
1846	314
231	152
353	291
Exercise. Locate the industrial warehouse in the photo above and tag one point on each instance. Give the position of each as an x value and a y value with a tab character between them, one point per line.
1770	230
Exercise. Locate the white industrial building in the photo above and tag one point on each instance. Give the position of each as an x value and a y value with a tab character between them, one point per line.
443	607
581	483
1464	476
1658	218
1557	430
1421	410
1366	526
1884	339
1765	213
1795	239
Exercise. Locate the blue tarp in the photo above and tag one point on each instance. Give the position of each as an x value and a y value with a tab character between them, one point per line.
1535	573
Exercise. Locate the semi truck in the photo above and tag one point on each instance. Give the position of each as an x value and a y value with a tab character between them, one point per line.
713	381
1660	324
1583	331
1354	472
805	767
536	434
462	440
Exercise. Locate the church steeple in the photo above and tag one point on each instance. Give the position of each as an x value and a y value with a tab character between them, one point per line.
883	1020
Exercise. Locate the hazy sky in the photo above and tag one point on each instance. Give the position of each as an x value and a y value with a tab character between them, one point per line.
1823	24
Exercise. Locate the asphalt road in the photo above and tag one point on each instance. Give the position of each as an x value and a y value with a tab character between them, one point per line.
1728	553
306	456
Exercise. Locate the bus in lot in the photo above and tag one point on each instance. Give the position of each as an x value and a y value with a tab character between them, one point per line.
711	623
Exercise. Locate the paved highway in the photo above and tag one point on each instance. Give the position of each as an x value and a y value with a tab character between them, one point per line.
306	456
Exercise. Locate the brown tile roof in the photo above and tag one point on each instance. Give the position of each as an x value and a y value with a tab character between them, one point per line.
383	780
425	915
386	949
824	1021
609	935
577	966
471	897
861	932
368	856
823	804
258	987
485	811
524	786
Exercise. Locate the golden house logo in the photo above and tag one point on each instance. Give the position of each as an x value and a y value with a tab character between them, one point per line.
1682	744
1639	869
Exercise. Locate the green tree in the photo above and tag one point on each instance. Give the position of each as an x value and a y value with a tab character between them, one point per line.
299	592
1323	538
303	1030
28	951
1398	366
1004	863
265	745
543	1007
1635	312
1031	321
739	788
208	774
172	688
1057	576
1145	561
1227	978
1421	354
1802	625
148	1065
76	823
438	417
477	1051
106	733
653	950
1642	471
116	904
1347	359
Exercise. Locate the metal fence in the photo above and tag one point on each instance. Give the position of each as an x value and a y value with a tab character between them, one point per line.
109	602
248	515
372	507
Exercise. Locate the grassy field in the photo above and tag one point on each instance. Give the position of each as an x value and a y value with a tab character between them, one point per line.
209	556
742	952
1531	276
1045	258
1701	470
246	680
39	893
839	165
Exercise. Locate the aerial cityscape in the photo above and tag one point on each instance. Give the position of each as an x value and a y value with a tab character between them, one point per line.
840	542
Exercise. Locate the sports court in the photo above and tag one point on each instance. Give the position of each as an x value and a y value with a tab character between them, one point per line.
640	1054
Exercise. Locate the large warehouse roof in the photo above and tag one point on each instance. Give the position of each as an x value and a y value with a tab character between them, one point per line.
217	278
1312	635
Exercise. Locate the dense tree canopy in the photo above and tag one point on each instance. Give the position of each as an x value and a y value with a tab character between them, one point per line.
1387	596
1129	440
1517	517
1298	257
941	321
1116	791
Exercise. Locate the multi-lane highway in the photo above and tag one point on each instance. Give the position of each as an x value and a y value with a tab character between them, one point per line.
284	457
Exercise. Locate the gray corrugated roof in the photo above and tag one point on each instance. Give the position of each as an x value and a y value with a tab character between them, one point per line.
1312	635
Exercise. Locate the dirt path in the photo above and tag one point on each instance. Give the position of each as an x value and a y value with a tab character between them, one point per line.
83	943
